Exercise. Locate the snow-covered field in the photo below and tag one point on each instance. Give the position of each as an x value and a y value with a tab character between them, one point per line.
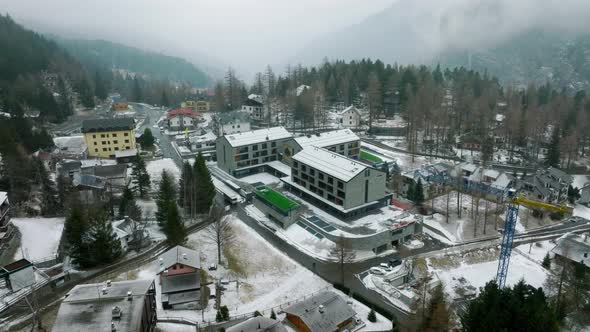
537	250
155	168
39	237
582	211
266	280
473	276
403	160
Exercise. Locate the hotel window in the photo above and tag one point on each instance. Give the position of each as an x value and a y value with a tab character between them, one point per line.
104	142
126	134
115	142
93	136
114	135
126	141
102	135
104	149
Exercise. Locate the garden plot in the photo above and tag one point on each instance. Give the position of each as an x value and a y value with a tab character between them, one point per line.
39	237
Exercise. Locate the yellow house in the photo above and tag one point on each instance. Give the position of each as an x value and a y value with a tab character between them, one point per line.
104	137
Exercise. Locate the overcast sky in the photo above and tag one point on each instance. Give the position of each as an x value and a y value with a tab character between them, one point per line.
246	34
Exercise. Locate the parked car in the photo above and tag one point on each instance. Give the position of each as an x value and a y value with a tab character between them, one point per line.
394	262
212	267
385	267
376	271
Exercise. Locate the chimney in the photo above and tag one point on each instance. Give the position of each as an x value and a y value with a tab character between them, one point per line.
104	291
109	283
113	328
321	308
129	296
161	260
184	256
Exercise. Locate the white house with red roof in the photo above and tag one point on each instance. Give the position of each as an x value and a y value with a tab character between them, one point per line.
182	118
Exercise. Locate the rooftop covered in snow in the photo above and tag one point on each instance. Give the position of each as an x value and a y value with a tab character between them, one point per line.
331	163
89	308
257	136
329	138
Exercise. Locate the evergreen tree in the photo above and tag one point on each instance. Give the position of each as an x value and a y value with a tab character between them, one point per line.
75	226
553	154
65	102
185	187
85	92
49	200
546	261
419	193
522	308
126	200
164	99
372	317
487	150
410	193
204	188
100	89
573	194
224	312
272	314
141	178
166	195
147	140
133	211
174	226
105	247
64	188
137	93
218	316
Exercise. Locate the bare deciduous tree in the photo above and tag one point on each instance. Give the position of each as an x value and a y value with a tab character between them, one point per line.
343	253
219	231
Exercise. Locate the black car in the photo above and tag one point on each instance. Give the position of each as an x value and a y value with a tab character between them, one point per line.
394	262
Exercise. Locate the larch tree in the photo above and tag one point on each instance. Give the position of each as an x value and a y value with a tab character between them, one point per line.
219	231
343	254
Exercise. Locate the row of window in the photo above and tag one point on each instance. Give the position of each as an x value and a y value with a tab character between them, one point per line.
107	135
109	149
309	172
338	199
109	142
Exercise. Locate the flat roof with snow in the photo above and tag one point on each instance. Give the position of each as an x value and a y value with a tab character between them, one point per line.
331	163
3	196
126	153
258	136
328	138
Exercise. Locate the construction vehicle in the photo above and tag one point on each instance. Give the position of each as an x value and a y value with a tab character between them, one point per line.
514	201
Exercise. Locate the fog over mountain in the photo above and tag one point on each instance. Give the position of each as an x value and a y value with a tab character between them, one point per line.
412	31
248	34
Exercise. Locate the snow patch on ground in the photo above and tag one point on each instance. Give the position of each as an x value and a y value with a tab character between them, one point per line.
39	237
580	180
537	250
582	211
155	168
477	275
261	177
